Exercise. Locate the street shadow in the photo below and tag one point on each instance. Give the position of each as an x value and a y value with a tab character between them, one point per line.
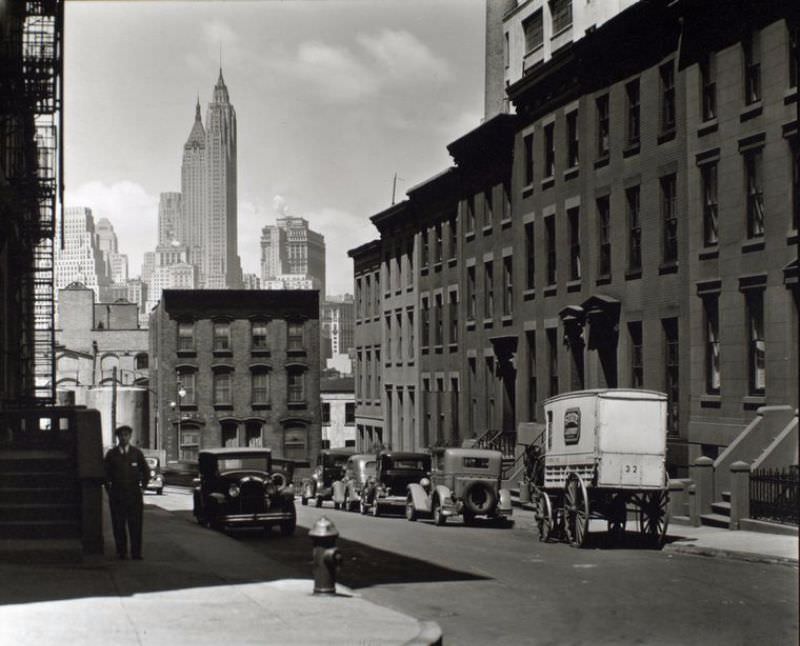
629	540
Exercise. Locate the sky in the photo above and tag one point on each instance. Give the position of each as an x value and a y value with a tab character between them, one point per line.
332	98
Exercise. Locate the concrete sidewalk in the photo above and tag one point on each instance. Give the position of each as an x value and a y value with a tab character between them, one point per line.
740	544
195	586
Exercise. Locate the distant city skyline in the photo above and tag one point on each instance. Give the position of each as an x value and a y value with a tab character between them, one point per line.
331	98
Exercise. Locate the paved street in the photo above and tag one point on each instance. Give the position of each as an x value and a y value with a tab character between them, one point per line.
488	585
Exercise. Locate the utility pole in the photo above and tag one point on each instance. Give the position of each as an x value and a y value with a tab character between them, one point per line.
113	400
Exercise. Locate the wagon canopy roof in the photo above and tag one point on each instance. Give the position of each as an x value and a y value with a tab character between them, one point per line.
611	393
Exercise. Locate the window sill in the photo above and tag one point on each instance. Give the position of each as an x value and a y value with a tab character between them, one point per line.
424	350
488	323
506	319
633	274
707	127
550	290
529	294
505	223
605	279
438	348
571	173
548	182
453	347
387	294
792	238
398	364
255	406
563	30
398	292
255	352
710	401
220	407
223	353
527	191
423	271
410	362
708	253
666	135
633	149
188	407
752	402
437	266
297	405
388	364
296	353
452	262
470	324
184	354
487	230
602	161
756	244
669	267
790	96
574	285
751	111
469	235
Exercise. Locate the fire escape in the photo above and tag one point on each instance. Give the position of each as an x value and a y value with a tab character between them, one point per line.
32	127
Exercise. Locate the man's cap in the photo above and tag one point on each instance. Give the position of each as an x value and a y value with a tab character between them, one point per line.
123	429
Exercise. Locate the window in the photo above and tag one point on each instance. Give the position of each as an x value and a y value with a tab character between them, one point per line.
453	296
190	445
601	104
533	28
453	228
187	381
634	229
296	386
349	413
222	388
388	330
667	74
552	360
410	328
140	361
488	391
530	275
471	295
794	153
229	433
531	357
549	150
398	319
573	223
603	237
550	240
561	12
708	86
473	391
426	322
294	444
488	207
252	432
669	220
259	387
185	336
410	257
506	52
508	286
506	200
488	290
711	342
756	347
572	139
438	251
708	176
295	336
527	140
636	358
469	205
632	98
671	356
222	335
424	235
794	55
751	46
258	339
438	315
366	375
755	195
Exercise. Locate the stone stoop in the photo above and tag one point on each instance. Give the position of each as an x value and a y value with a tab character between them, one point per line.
40	513
720	515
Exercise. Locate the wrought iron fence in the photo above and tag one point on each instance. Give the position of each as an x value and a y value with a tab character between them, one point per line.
774	494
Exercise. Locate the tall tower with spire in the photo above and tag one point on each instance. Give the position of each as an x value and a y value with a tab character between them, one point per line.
221	265
194	193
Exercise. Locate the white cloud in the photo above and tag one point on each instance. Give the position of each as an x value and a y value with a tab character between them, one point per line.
129	207
402	56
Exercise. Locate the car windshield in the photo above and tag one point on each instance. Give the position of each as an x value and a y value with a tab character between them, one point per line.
335	460
255	463
417	464
151	462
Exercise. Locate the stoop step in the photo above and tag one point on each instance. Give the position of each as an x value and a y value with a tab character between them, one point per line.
715	520
722	508
726	496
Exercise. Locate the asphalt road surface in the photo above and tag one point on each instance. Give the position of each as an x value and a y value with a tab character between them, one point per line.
492	585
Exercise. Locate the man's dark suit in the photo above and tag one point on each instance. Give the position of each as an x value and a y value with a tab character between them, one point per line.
126	476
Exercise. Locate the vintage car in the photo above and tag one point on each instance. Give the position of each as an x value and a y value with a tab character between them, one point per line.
463	482
156	481
358	470
327	474
240	487
395	471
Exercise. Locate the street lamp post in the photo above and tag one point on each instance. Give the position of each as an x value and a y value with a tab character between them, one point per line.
181	393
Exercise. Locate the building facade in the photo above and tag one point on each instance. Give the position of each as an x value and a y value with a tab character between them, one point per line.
336	321
236	368
618	230
292	251
78	257
338	413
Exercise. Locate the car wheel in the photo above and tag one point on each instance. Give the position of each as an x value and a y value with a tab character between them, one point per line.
303	501
363	508
411	512
376	509
160	492
438	517
288	527
318	502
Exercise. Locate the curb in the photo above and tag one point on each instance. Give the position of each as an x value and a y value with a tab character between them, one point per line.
430	634
714	552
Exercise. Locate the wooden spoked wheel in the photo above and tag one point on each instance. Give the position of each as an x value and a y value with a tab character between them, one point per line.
544	515
654	516
576	510
617	517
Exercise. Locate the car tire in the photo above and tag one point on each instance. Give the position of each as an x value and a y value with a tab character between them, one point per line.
318	502
438	517
288	527
479	499
376	509
411	511
303	501
160	492
363	508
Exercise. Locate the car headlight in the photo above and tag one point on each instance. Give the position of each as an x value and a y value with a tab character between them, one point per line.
233	491
425	483
152	473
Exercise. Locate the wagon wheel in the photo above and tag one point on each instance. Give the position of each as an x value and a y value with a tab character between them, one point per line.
654	516
576	509
617	516
544	515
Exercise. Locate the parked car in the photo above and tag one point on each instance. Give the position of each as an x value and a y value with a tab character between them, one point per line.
358	470
241	488
463	482
328	472
395	471
156	481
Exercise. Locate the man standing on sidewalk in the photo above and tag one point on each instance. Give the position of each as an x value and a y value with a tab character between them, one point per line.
126	478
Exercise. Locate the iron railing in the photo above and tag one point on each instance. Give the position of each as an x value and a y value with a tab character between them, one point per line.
774	494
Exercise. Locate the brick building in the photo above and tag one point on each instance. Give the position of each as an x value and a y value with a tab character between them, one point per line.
247	365
629	226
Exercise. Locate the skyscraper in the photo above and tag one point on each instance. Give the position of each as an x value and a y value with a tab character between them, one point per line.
116	264
193	191
169	218
291	252
79	258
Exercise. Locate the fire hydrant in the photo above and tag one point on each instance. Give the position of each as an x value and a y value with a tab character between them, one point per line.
327	559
